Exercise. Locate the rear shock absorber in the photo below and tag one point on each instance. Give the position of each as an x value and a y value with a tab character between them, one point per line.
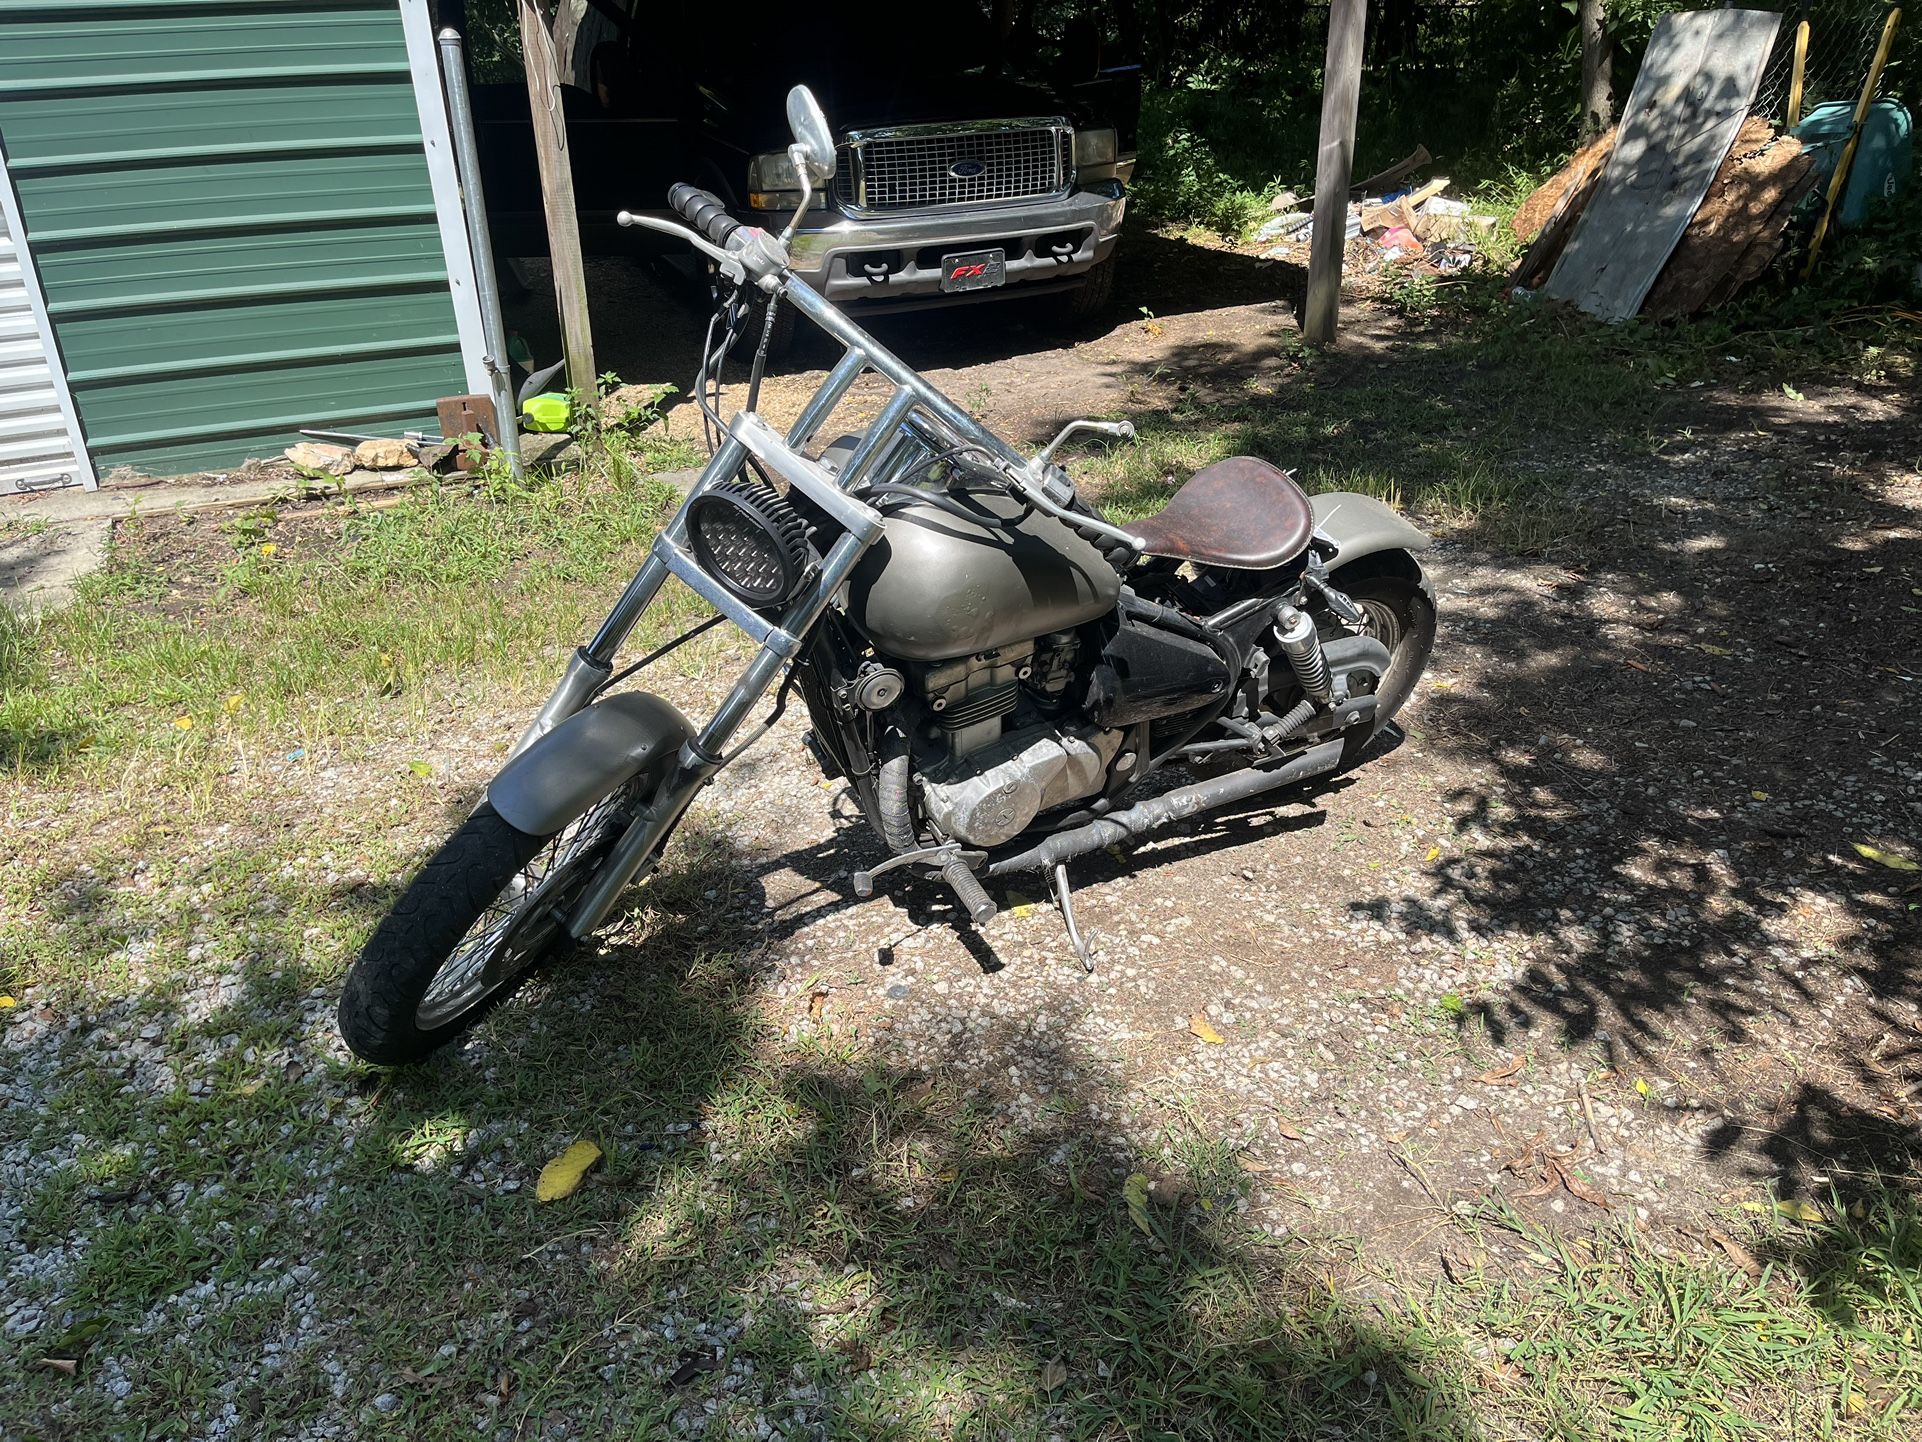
1295	630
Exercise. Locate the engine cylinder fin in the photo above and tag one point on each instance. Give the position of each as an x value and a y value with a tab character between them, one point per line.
978	706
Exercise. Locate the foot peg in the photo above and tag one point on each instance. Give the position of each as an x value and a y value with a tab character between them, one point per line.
969	892
950	863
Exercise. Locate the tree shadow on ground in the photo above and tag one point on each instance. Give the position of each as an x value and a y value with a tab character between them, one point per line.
790	1227
1702	702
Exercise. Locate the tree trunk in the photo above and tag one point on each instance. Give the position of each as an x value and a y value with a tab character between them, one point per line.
1598	68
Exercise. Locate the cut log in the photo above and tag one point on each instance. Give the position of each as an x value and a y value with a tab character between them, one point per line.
1739	226
1540	257
1584	167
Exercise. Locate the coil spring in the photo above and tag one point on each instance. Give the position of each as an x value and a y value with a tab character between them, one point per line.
1302	647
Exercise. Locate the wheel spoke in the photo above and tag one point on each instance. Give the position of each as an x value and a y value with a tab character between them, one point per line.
490	954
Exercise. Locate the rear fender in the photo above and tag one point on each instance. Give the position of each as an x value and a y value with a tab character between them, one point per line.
1362	526
573	766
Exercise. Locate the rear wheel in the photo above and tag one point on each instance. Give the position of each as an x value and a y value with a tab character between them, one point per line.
471	926
1399	613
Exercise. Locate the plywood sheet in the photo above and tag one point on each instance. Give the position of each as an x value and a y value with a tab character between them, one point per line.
1695	88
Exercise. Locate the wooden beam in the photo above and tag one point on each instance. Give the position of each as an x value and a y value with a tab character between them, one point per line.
1797	73
1340	97
557	198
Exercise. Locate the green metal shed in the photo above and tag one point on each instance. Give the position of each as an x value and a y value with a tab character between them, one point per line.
243	218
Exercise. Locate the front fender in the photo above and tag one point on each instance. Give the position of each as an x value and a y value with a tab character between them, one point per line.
1362	526
573	766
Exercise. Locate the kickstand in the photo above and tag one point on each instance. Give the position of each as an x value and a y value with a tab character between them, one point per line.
1058	884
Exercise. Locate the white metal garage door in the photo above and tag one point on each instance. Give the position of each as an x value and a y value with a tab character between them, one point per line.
40	443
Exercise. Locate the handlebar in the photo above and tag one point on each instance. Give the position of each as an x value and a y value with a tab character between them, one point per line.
703	210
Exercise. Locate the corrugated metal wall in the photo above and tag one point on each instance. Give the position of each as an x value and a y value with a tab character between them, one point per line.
231	213
38	446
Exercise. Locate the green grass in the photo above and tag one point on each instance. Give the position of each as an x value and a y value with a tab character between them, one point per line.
291	627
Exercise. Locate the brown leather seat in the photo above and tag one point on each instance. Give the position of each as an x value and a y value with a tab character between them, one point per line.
1241	513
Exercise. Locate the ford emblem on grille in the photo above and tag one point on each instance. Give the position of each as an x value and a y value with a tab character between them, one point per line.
967	169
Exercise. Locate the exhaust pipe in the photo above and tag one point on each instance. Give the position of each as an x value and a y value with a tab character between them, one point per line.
1176	805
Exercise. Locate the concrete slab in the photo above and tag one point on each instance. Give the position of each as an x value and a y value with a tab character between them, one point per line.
116	503
40	567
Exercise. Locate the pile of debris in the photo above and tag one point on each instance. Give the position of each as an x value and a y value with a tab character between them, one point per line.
1730	240
1692	197
1390	222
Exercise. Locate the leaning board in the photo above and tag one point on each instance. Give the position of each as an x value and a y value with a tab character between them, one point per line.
1695	88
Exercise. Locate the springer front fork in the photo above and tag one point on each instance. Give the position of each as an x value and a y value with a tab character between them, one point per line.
779	641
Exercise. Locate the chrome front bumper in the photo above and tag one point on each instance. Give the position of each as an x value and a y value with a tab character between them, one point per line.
884	257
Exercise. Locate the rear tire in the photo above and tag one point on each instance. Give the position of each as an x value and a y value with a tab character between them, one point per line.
480	917
1401	615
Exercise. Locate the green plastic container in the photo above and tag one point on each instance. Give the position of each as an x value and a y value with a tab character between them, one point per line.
1882	161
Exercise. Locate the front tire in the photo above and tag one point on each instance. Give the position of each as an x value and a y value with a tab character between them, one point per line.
478	919
1095	293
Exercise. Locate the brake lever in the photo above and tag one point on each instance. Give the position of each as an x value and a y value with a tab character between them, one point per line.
729	263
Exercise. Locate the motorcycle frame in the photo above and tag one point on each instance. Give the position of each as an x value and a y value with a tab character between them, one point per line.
780	642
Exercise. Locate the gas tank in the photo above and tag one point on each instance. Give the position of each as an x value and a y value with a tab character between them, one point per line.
935	587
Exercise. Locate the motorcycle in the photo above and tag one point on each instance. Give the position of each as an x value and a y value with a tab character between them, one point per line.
993	667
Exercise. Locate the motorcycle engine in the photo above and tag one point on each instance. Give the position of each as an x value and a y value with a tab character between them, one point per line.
999	774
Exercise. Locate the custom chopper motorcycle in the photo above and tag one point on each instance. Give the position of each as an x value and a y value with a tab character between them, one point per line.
992	666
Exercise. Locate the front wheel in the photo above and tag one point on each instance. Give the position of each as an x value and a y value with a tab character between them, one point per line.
483	912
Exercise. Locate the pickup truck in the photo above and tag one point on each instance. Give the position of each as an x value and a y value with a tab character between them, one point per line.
964	173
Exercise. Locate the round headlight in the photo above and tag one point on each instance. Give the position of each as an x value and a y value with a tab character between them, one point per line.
749	538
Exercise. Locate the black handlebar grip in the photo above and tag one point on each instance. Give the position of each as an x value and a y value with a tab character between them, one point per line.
704	211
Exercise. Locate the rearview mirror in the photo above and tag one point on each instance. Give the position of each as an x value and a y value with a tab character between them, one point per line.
813	142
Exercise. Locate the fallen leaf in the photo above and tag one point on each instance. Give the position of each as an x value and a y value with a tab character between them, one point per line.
1759	795
1026	908
1053	1375
1797	1210
561	1176
817	1003
1791	392
1886	858
1641	1086
692	1365
1743	1258
66	1366
1288	1129
1506	1075
1579	1188
1716	650
1201	1027
234	702
1635	665
7	1001
421	769
1134	1192
1170	1191
1433	852
1249	1164
183	723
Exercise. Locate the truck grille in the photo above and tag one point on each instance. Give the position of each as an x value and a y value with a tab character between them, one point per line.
917	167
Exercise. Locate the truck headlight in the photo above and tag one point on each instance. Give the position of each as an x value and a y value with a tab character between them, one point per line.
774	184
1093	148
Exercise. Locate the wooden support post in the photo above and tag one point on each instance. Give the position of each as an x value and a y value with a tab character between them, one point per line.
557	197
1797	74
1839	181
1334	167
